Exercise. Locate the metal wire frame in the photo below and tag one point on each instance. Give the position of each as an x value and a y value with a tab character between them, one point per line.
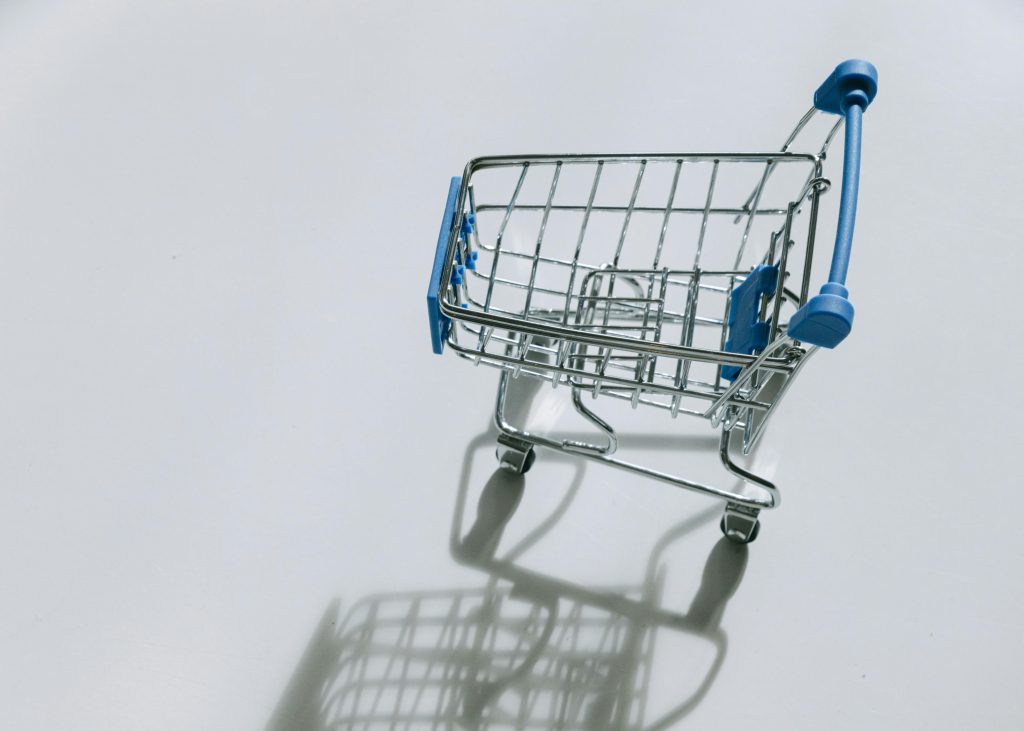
631	370
614	343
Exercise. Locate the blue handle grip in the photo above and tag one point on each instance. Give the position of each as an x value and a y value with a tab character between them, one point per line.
827	318
439	322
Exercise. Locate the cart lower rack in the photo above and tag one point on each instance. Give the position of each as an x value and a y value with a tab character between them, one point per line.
674	281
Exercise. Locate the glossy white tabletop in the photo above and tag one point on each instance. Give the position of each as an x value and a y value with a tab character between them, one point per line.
230	465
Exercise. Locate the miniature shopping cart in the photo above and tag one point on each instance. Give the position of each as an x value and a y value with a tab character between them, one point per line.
674	281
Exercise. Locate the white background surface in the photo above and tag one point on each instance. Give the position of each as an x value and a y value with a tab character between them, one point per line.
220	411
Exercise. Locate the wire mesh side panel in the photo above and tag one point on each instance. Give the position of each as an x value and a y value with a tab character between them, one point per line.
679	307
645	249
484	660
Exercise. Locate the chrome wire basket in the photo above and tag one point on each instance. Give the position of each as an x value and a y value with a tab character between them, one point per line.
674	281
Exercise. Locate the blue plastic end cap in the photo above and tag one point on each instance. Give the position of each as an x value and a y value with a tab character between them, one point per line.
853	82
825	320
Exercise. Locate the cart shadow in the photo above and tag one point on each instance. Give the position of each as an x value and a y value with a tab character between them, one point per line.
640	609
525	649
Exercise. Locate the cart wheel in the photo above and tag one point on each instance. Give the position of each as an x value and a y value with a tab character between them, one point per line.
519	459
744	533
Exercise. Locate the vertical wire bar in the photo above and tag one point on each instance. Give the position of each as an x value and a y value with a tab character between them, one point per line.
748	421
563	350
622	240
484	331
642	363
524	343
485	337
690	319
668	213
501	234
472	210
540	240
781	235
704	218
772	246
725	328
579	241
629	214
524	348
770	259
585	301
783	259
615	264
693	293
663	298
805	284
812	229
752	212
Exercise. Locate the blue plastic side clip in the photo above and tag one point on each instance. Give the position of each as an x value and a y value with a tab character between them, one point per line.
827	318
747	333
439	323
468	261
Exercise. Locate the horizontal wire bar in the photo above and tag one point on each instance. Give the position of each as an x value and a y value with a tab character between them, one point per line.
486	207
509	363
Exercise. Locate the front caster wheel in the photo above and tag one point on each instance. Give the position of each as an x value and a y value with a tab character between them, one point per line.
739	537
739	524
515	455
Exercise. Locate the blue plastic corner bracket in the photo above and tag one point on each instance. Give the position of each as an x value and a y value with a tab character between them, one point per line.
827	318
439	322
747	333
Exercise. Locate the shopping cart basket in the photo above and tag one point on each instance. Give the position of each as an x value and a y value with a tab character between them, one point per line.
675	281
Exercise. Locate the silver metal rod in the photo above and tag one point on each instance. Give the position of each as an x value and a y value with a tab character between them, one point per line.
540	239
579	241
501	234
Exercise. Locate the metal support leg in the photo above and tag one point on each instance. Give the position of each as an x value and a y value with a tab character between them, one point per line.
514	452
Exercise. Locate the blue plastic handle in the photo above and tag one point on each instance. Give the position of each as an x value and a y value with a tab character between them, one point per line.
439	322
827	318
